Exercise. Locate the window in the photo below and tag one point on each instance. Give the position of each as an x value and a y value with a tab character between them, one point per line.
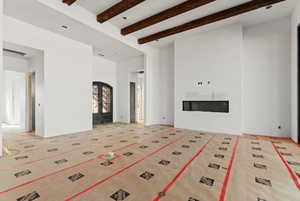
106	99
95	99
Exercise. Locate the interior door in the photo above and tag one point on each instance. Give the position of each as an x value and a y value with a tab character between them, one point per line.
102	103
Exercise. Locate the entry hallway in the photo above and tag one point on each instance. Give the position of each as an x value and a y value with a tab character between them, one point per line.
161	163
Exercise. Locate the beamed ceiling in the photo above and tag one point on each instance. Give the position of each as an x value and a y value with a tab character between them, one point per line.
171	9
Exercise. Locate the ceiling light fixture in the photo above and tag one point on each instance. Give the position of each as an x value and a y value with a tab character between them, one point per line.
64	27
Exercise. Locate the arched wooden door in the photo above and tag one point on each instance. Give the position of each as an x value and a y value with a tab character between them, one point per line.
102	103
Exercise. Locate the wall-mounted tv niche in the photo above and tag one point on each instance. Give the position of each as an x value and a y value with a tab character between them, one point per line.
206	106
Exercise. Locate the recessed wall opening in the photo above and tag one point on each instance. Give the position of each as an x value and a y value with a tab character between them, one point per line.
22	99
136	96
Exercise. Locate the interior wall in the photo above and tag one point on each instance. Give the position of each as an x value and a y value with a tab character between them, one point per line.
167	85
15	98
15	77
124	69
16	64
152	88
266	79
67	77
295	21
105	71
214	57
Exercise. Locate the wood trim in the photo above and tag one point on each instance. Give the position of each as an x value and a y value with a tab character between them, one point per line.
69	2
117	9
164	15
231	12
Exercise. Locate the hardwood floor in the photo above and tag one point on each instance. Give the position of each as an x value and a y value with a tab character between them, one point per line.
151	163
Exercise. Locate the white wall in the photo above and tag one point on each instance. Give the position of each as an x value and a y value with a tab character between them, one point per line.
15	98
295	21
15	82
16	74
250	67
124	68
67	77
214	56
16	64
105	71
266	83
151	61
167	85
152	86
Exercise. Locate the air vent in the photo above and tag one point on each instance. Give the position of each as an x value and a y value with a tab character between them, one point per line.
14	52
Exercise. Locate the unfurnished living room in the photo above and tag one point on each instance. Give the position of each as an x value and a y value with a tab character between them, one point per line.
149	100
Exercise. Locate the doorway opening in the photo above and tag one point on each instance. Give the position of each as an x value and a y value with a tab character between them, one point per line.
20	64
102	103
136	97
22	111
14	102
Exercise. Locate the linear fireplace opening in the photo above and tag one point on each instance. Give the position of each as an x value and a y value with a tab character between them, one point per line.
206	106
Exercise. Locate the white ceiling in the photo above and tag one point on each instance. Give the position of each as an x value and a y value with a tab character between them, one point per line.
42	16
37	14
150	7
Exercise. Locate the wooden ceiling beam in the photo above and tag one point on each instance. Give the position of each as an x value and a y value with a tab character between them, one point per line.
228	13
69	2
164	15
117	9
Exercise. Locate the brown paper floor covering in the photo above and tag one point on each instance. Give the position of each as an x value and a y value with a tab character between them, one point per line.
151	163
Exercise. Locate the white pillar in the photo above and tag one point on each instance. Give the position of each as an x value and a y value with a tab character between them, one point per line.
152	88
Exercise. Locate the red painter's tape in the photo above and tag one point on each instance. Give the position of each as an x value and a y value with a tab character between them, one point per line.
293	176
169	185
120	171
227	177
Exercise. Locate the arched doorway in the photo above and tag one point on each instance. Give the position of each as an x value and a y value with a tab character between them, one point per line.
102	103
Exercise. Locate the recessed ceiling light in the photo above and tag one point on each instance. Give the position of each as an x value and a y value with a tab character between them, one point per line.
269	6
64	27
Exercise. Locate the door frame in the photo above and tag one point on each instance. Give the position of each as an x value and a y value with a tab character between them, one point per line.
298	90
132	100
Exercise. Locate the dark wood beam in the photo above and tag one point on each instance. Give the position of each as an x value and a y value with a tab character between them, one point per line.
231	12
164	15
69	2
117	9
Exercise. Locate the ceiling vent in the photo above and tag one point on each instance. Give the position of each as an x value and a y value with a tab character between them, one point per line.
14	52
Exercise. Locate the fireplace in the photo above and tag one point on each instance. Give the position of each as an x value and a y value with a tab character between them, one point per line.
206	106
